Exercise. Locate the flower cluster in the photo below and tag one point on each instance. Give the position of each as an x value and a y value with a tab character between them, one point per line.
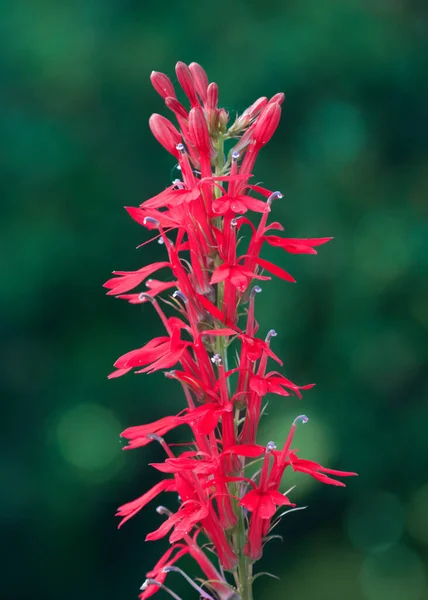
213	263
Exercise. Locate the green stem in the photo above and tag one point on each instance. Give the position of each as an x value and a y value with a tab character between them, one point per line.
245	568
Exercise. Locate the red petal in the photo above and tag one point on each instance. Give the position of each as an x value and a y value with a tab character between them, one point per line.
275	270
129	509
251	500
118	373
267	507
279	499
248	450
220	274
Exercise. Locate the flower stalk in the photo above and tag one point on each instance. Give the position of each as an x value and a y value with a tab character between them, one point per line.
211	283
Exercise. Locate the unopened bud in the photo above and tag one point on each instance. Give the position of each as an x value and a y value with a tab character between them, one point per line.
199	131
200	80
278	99
266	124
176	107
165	133
222	120
185	78
212	96
162	84
251	112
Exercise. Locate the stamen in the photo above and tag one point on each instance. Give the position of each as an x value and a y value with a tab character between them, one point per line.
169	374
159	585
161	441
234	222
235	156
181	148
178	294
274	196
178	183
144	297
270	334
161	241
162	510
151	221
216	360
154	436
301	419
256	290
270	446
194	585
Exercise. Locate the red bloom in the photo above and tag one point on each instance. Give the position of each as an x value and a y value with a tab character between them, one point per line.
200	219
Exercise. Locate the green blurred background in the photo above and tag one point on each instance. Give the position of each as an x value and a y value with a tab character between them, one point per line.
350	155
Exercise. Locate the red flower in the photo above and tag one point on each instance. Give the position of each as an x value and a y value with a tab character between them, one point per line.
199	219
160	353
130	509
264	503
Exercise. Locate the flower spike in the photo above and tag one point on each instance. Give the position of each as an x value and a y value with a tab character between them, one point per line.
208	319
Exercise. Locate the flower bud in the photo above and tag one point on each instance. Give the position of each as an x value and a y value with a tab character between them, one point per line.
176	107
199	131
185	78
278	99
249	114
222	119
200	79
212	96
266	124
162	84
165	133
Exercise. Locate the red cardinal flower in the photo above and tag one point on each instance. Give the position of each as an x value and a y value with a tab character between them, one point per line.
226	486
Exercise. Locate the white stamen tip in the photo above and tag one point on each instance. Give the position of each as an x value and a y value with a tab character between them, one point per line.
143	297
181	148
272	333
180	295
256	290
150	221
274	196
216	360
300	419
162	510
270	446
235	156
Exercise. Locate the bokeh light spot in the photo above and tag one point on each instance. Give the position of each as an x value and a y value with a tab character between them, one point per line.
87	437
417	515
396	574
375	521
